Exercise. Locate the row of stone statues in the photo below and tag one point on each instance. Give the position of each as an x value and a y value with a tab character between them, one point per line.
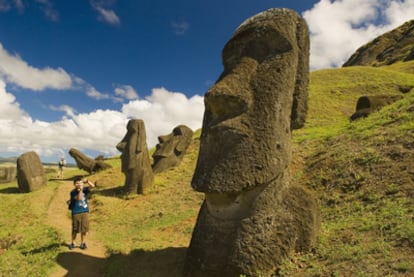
136	165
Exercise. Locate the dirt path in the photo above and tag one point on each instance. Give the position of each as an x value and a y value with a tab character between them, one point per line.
74	262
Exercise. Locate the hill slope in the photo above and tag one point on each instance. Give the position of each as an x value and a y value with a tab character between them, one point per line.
393	46
361	172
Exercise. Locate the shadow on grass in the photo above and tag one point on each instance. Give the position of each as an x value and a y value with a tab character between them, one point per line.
51	247
80	264
10	190
160	263
117	192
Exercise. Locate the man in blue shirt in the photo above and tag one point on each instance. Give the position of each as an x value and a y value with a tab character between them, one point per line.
80	210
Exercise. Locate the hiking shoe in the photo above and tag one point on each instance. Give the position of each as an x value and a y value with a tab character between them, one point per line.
71	246
83	246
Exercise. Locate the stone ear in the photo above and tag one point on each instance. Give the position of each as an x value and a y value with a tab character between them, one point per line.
300	95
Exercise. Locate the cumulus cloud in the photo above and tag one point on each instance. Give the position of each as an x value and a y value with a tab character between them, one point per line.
95	132
17	71
339	28
163	110
9	108
126	91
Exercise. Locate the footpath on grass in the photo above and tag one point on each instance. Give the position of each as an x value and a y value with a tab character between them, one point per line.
76	262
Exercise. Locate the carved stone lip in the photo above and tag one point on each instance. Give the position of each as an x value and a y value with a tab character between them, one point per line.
232	205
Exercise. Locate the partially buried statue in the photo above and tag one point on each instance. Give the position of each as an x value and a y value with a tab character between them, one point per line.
252	216
171	148
86	163
135	158
31	174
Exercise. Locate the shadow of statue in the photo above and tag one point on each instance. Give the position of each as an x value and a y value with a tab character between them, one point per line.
79	264
118	192
10	190
159	263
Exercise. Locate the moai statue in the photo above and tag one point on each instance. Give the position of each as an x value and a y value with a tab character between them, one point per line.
252	216
30	172
86	163
171	148
135	158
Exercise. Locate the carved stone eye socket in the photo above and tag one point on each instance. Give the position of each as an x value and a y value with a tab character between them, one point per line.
257	44
222	107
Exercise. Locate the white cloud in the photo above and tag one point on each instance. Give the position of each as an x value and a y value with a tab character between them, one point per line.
163	110
9	108
17	71
98	131
126	91
105	14
339	28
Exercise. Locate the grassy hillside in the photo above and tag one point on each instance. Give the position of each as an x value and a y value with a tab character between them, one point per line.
361	172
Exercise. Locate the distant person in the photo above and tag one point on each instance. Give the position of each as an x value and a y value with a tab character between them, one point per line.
80	210
61	164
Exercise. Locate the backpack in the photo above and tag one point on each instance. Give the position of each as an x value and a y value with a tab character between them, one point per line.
70	204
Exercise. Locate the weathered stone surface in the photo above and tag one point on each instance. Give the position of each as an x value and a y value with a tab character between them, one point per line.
171	148
86	163
7	174
30	172
252	217
368	104
136	164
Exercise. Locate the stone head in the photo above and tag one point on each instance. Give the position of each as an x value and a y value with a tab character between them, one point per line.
259	98
174	143
133	143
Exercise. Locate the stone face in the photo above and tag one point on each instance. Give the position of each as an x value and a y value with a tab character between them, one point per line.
368	104
30	172
86	163
252	217
171	148
135	158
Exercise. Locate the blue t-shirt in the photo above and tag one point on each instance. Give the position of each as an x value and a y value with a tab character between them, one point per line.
81	206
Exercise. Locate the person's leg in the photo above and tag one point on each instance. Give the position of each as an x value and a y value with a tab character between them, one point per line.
84	229
75	229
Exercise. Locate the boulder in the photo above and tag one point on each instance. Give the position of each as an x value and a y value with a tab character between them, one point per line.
30	172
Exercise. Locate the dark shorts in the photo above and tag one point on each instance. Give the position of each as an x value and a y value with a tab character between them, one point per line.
80	223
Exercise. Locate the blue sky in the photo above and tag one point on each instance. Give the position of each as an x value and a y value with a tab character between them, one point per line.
72	73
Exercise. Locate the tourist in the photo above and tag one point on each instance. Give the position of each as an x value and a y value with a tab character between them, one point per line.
80	210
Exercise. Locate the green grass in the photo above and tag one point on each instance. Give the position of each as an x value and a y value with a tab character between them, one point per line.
359	172
32	245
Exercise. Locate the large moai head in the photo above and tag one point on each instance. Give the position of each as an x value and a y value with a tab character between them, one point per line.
171	148
252	108
252	217
135	159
